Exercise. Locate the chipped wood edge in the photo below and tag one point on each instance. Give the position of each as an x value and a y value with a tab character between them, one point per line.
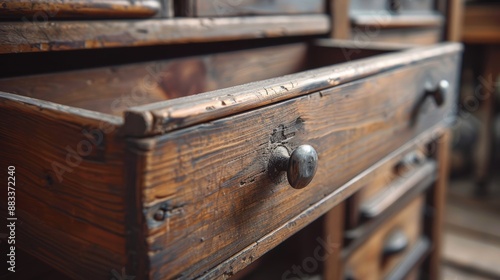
182	112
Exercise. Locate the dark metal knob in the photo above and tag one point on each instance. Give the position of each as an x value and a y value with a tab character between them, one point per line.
396	243
300	166
438	92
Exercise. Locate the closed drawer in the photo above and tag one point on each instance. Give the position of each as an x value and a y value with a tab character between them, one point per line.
391	245
413	172
43	10
202	8
395	6
156	176
396	21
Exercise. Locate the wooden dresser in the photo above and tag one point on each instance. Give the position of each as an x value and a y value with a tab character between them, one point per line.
197	139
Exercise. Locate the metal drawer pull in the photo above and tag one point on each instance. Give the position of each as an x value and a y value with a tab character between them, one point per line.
397	189
396	243
300	166
438	93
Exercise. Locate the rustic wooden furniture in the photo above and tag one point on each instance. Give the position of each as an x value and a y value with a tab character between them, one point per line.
197	159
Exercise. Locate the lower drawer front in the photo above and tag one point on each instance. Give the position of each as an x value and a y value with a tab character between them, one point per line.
216	183
386	247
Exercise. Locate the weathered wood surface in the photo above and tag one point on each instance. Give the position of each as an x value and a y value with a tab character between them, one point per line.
70	192
367	261
112	90
43	10
169	115
70	35
224	163
218	8
269	241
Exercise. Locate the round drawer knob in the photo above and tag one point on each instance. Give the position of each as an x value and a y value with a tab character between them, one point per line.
438	93
300	166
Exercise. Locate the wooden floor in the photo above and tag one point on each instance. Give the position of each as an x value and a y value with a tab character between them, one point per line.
472	233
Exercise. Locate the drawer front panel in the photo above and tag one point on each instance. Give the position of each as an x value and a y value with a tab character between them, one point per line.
386	247
43	10
203	8
208	188
392	183
392	5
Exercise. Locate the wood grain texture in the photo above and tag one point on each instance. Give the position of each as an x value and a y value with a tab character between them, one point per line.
269	241
225	164
367	261
112	90
70	186
43	10
70	35
219	8
174	114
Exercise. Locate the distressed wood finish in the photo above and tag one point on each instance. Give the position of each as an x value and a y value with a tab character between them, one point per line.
367	262
111	90
183	199
218	8
72	35
225	164
70	190
43	10
243	258
169	115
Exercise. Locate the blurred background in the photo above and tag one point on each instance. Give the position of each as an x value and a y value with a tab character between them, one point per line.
472	232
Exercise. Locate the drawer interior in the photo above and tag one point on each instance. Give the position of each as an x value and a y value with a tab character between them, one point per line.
113	89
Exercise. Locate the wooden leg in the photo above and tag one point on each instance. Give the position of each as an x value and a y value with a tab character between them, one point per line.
437	202
333	232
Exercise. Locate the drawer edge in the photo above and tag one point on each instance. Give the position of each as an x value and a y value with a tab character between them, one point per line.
161	117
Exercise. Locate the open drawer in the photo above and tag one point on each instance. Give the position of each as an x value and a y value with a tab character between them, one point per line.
167	169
